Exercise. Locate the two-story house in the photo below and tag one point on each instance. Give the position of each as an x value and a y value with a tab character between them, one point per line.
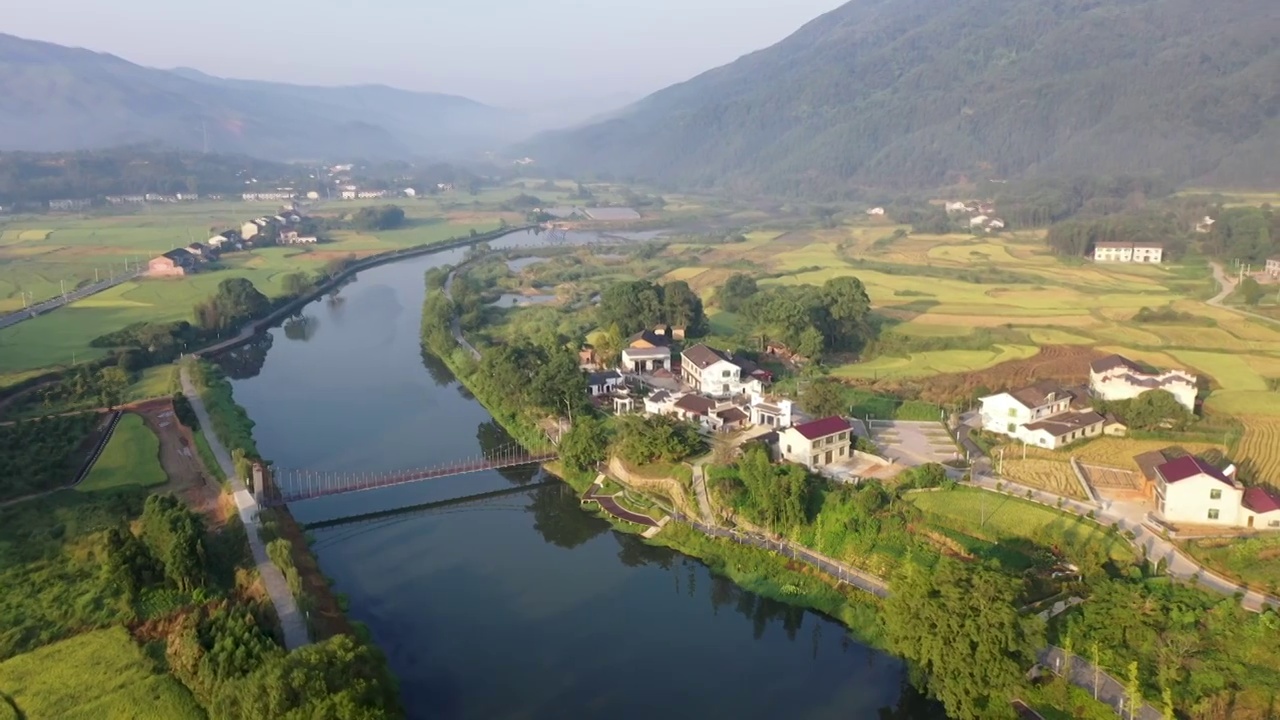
1041	414
646	351
1128	252
715	373
818	443
1273	266
1190	490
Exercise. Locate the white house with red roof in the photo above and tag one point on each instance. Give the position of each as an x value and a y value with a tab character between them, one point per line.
1190	490
818	443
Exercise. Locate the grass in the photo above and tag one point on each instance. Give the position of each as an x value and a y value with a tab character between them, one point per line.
1253	561
153	382
991	516
925	364
97	675
132	457
51	558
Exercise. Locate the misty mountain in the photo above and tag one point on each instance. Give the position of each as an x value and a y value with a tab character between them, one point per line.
56	98
921	93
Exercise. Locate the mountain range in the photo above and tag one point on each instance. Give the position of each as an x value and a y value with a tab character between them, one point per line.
57	98
912	94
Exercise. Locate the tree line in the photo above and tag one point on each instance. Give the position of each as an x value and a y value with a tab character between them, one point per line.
811	320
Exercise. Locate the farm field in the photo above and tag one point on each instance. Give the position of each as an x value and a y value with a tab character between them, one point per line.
97	675
132	457
996	517
941	291
1260	448
1054	475
1107	451
33	260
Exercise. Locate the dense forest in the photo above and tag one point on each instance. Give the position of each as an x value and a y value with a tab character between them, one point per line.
921	93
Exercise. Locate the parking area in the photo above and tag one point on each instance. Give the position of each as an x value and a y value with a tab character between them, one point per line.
914	443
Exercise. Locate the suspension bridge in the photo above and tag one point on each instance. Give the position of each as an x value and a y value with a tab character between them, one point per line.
289	485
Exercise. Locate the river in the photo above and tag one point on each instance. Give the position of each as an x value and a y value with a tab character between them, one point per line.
519	605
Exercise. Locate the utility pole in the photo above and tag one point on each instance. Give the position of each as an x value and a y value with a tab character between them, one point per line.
95	276
63	284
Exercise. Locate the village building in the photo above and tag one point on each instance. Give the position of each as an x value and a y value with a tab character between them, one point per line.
1128	252
767	412
717	374
696	409
646	352
956	206
875	211
174	263
603	383
818	443
661	402
1273	266
1116	377
202	251
1044	414
1190	490
70	205
348	195
1205	225
292	237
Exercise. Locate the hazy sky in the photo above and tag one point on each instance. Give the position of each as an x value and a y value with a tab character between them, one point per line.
507	52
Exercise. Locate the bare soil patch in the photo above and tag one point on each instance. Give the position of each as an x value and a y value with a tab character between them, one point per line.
1066	363
187	476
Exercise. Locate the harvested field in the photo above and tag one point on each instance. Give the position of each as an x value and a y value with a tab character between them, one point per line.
1111	478
1068	363
1118	453
1259	448
1054	476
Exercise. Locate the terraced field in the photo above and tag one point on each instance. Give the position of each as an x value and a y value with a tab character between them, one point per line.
1260	447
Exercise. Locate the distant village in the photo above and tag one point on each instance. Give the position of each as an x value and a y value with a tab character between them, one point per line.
283	228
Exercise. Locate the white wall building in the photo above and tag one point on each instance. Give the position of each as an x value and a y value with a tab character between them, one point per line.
713	373
646	359
1125	252
1039	415
1117	378
1190	490
818	443
1273	266
769	412
602	383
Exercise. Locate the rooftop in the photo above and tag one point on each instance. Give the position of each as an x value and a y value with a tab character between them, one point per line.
1190	466
696	404
1260	500
702	356
600	378
650	337
1149	461
1066	423
1040	393
733	414
1113	362
822	428
653	352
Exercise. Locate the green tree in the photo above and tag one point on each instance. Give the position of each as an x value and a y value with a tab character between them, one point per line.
959	626
849	310
824	398
1251	292
113	382
586	444
235	302
386	217
681	307
632	306
660	438
735	291
1134	690
295	283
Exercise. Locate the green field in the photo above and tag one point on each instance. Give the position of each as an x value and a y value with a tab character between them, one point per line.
1253	561
995	517
132	457
99	675
34	257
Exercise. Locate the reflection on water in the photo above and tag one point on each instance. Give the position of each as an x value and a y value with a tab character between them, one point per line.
517	605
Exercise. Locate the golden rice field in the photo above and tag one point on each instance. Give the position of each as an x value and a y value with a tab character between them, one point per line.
1054	476
1112	451
1260	445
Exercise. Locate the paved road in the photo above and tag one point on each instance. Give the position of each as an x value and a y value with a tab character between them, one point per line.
1226	285
700	489
291	620
1082	674
54	303
454	326
1131	516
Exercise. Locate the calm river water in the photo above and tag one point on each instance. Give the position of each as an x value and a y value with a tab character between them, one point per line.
518	605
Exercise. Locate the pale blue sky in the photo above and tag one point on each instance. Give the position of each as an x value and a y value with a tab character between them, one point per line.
505	52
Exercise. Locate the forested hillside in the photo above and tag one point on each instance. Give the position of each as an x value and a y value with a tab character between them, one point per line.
920	93
55	98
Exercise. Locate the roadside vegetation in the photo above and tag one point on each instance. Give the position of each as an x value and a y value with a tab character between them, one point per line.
39	455
131	457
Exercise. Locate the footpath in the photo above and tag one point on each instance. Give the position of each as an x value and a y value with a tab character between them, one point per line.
291	621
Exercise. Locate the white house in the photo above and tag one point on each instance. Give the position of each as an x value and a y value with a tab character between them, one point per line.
1040	415
696	409
875	211
1190	490
1260	509
1118	378
661	402
1139	252
602	383
646	360
1205	225
769	412
348	195
978	221
956	206
818	443
712	372
410	192
1273	266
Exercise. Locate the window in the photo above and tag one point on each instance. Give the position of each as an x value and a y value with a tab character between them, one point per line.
1273	523
1215	494
1213	514
1013	412
788	449
724	373
1012	427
